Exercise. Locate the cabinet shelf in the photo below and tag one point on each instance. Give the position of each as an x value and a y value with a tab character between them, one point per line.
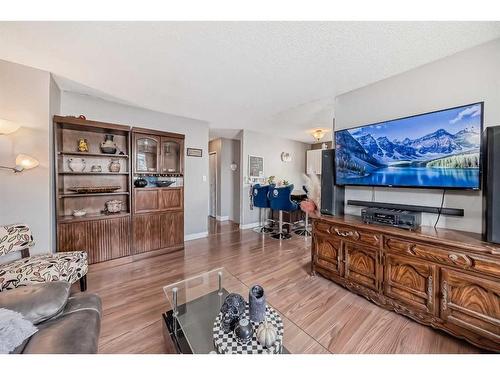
76	195
88	217
95	173
91	154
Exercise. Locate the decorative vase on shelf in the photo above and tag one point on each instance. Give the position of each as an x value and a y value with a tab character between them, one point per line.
257	303
114	165
108	146
76	164
140	182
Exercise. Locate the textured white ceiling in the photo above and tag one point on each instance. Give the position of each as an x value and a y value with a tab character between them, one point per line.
276	77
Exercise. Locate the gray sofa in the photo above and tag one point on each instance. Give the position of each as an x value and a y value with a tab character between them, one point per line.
66	323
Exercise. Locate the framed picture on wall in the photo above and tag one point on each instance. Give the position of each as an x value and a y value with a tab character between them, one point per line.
196	152
255	166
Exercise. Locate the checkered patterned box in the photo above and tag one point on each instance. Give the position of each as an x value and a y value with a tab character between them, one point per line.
227	343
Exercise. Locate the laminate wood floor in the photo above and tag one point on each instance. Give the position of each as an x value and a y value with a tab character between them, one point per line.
334	319
219	227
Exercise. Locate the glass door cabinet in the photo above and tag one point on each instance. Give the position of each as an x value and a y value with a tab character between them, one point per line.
171	155
147	153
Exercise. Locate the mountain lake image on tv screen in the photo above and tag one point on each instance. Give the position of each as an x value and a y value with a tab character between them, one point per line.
436	150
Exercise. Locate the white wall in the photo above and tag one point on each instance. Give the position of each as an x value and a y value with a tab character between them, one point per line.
228	181
25	197
270	148
54	109
195	188
469	76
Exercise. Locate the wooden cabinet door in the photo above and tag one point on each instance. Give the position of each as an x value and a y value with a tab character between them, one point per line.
146	153
471	303
147	231
171	199
328	253
146	200
172	229
103	239
362	265
172	155
410	282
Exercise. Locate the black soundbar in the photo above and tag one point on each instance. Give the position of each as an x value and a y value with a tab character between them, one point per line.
409	207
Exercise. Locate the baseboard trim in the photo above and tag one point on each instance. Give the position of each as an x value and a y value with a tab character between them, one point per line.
222	218
249	226
195	236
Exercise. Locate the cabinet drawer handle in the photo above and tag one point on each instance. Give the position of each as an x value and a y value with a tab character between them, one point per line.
444	292
429	290
339	233
455	258
347	234
411	249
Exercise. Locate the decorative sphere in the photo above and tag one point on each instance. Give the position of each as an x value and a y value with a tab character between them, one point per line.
266	334
243	330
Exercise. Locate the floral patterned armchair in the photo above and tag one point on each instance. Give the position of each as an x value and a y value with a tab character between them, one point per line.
64	266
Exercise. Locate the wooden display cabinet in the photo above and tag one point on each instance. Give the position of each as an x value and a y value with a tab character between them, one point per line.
158	212
103	236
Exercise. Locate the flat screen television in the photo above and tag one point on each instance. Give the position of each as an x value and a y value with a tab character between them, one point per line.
433	150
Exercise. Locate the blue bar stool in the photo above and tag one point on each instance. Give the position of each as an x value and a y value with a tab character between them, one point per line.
261	200
304	231
280	200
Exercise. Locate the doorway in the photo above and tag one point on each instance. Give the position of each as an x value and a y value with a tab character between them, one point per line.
212	180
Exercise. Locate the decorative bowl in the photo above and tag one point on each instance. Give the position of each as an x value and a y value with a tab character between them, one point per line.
164	183
79	213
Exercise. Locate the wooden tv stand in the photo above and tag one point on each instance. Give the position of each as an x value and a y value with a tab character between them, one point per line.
444	278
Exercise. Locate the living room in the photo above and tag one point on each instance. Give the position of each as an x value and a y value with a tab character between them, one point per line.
250	187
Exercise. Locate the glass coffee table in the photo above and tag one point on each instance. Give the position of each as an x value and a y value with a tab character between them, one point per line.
195	303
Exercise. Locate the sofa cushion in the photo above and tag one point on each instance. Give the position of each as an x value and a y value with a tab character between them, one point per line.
14	330
75	331
38	302
64	266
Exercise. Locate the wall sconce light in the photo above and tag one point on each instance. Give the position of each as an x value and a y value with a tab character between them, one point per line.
23	162
233	166
286	157
8	127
